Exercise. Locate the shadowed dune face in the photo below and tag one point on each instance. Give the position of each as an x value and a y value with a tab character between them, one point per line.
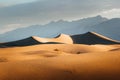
60	62
24	42
92	38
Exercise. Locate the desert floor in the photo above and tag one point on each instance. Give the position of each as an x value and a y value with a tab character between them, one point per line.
60	62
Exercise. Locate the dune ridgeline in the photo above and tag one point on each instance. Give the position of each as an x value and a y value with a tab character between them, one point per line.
87	38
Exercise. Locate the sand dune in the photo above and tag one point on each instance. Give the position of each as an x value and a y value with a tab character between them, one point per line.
60	62
92	38
87	38
62	38
23	42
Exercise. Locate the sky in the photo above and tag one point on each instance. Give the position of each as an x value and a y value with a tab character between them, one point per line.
21	13
14	2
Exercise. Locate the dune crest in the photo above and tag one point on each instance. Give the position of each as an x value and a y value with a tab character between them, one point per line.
102	36
62	38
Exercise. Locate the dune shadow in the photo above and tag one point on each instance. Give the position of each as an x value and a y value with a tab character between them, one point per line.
3	59
41	53
116	49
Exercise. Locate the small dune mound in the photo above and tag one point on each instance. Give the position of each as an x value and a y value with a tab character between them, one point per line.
56	49
92	38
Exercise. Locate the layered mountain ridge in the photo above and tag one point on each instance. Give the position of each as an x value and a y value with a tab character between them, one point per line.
53	29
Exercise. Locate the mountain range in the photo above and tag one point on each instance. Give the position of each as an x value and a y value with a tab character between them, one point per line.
99	24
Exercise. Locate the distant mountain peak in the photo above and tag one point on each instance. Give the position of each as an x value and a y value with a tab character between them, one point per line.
98	16
101	17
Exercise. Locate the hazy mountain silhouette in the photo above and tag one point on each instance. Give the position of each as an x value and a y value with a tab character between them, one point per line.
53	29
110	28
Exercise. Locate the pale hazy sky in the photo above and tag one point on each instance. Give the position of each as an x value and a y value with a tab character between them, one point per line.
20	13
13	2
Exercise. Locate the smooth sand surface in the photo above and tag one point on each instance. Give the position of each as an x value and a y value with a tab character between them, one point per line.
60	62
